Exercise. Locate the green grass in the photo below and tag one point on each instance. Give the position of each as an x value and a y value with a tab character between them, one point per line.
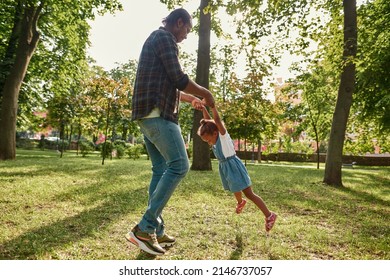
75	208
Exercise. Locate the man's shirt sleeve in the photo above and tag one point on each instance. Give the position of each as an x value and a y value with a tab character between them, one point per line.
166	49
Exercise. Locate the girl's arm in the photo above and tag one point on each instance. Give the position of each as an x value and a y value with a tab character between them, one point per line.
218	121
206	114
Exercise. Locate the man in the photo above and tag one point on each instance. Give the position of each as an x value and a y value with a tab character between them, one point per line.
159	87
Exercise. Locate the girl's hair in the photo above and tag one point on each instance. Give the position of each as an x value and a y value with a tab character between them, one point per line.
207	126
174	16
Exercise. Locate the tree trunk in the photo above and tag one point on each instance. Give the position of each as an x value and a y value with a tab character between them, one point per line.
79	131
317	145
344	99
27	44
9	56
259	151
70	137
201	151
245	150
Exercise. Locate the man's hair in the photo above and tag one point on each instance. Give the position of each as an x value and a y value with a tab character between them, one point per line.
174	16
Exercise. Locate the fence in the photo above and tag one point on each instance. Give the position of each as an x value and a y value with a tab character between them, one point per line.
366	160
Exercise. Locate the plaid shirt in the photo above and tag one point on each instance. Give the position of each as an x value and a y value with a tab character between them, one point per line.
159	77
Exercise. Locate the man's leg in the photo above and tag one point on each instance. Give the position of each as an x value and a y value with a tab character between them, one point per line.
168	141
158	168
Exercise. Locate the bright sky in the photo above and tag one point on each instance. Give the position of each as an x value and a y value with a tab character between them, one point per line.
119	37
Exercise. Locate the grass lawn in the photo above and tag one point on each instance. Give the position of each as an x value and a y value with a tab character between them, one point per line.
76	208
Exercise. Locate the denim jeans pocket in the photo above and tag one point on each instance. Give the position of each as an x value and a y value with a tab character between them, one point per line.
150	128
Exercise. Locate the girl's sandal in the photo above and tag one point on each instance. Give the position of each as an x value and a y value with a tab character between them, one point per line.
240	206
270	221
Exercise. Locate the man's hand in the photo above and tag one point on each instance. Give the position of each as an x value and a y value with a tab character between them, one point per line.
209	100
197	90
197	104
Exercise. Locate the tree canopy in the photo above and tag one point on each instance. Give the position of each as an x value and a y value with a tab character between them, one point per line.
56	76
62	29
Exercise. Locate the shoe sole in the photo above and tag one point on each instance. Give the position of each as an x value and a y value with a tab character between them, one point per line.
167	244
133	239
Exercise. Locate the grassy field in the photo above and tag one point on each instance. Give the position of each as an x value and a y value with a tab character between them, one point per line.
76	208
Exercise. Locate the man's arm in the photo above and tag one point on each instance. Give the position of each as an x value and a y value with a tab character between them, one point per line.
195	101
195	89
187	97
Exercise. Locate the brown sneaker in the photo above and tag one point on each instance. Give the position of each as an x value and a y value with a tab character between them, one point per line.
145	241
166	240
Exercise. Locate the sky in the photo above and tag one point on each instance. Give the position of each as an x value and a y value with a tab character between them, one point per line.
119	38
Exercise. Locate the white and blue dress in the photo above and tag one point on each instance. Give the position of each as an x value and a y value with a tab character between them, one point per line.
234	175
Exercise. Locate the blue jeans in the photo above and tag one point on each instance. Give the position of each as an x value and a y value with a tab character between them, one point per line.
166	149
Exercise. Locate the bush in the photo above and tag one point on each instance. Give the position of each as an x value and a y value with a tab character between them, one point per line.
358	147
301	147
190	149
86	147
105	149
385	146
134	151
26	143
120	147
55	144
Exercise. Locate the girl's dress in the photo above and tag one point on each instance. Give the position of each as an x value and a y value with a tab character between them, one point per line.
234	175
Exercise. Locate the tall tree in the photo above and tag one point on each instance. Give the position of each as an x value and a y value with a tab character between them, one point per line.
125	74
344	99
318	90
52	18
27	42
201	153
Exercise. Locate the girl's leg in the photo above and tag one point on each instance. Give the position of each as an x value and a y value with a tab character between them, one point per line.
257	200
238	196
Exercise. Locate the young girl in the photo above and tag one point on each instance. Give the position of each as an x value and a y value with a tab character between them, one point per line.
233	173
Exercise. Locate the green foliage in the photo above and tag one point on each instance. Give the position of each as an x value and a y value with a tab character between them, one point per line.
358	147
373	83
134	151
86	147
317	91
25	143
76	95
384	144
272	148
60	57
246	110
105	149
119	148
287	145
302	147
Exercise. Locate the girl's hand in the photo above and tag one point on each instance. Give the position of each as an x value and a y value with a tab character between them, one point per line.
197	104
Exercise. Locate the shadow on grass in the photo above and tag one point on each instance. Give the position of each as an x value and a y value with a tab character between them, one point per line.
382	187
237	253
145	256
45	240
